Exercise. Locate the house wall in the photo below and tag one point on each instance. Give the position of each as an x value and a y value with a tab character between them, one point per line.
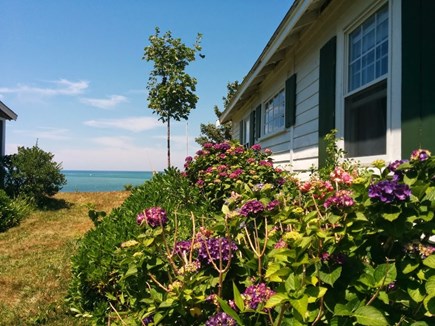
297	146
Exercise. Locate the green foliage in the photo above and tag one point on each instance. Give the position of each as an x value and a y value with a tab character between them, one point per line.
171	90
32	173
12	211
351	248
96	266
218	133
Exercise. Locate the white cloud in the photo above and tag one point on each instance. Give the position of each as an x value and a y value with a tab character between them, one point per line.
117	142
46	133
60	87
135	124
107	103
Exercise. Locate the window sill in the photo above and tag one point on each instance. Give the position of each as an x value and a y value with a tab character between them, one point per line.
272	135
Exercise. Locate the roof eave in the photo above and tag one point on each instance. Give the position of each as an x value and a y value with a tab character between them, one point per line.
266	61
6	112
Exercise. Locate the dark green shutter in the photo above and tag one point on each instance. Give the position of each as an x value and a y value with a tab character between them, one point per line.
418	75
252	128
258	122
290	101
327	77
241	133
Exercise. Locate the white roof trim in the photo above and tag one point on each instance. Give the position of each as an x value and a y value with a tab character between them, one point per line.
6	112
284	29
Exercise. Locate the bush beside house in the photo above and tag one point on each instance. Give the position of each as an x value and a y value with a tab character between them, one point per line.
352	247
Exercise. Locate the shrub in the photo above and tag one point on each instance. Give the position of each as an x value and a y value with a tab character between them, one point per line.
218	169
32	173
350	248
11	211
96	265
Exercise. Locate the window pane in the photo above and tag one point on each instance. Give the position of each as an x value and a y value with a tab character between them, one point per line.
274	114
368	44
365	121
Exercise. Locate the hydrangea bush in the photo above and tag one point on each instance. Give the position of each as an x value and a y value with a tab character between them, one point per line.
218	169
349	247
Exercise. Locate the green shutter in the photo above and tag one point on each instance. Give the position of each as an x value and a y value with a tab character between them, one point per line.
258	122
327	76
252	128
242	141
418	75
290	101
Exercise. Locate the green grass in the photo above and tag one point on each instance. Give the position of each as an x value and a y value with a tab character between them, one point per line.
35	259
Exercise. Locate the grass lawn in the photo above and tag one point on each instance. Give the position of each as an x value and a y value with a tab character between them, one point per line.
35	258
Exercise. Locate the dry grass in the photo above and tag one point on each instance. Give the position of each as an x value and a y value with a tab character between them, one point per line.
35	258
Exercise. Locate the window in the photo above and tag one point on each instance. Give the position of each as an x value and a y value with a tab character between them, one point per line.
274	114
366	103
245	131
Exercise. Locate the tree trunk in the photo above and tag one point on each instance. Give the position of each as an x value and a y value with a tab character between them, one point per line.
169	142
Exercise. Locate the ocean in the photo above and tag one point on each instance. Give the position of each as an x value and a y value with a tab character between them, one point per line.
95	181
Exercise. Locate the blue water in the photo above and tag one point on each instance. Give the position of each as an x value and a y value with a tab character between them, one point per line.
94	181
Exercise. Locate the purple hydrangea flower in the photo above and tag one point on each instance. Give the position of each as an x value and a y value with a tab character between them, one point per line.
420	155
272	205
215	249
207	145
340	199
148	320
252	207
222	147
153	216
389	191
256	294
182	246
220	319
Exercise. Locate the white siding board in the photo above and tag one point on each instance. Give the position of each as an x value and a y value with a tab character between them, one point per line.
306	141
306	128
308	115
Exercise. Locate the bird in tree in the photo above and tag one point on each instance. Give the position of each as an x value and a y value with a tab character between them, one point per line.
171	91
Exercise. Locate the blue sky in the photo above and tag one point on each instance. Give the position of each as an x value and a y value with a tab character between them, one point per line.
73	72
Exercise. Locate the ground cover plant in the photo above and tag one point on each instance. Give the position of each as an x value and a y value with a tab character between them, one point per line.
348	246
35	259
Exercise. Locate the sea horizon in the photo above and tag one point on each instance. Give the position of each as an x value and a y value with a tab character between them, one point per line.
102	180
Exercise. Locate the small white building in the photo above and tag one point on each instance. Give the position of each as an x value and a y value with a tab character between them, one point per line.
5	114
363	67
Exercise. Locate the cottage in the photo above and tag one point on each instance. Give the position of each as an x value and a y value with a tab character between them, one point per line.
363	67
5	114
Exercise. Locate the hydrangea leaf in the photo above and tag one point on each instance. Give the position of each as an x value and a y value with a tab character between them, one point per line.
392	214
330	278
370	316
301	305
429	261
276	299
416	292
430	285
385	274
342	310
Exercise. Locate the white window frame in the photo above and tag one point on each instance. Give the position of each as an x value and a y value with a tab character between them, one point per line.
393	134
269	126
246	130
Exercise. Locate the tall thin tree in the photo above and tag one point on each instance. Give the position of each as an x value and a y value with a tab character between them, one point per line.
171	89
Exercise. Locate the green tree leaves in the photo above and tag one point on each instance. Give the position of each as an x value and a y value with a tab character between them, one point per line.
171	90
32	173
